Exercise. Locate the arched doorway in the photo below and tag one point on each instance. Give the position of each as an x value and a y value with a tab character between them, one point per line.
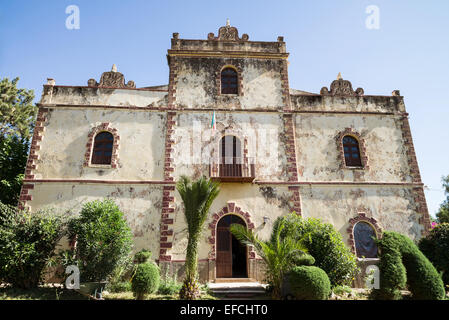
231	254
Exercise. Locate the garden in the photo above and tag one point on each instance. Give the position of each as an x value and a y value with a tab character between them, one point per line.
305	259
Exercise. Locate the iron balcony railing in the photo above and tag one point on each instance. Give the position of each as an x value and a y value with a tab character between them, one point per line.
232	169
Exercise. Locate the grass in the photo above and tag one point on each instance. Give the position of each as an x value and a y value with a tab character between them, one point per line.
56	292
41	293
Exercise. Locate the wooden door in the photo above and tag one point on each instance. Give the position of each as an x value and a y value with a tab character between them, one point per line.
224	265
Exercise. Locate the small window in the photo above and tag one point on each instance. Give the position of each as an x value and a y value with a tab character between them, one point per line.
229	81
364	236
352	152
102	151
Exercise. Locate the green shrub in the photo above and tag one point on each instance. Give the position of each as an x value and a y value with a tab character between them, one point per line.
145	279
325	244
121	286
303	260
104	240
401	263
436	248
309	283
27	245
142	256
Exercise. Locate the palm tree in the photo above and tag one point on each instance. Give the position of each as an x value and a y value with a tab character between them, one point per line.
197	197
279	253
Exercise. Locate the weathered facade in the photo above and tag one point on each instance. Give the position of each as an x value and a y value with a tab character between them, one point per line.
286	150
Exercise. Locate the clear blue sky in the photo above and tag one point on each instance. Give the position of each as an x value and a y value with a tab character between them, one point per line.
410	50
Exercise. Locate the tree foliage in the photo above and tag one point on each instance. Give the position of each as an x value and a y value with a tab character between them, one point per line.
325	244
436	248
443	212
17	111
13	158
27	244
278	253
104	239
17	114
197	197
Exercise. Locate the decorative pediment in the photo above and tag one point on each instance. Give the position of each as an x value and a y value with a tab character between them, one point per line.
341	87
112	79
228	33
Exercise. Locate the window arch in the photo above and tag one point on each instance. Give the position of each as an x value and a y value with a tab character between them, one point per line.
102	146
102	149
364	235
229	81
351	151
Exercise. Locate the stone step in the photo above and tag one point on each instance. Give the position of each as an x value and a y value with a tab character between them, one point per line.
237	289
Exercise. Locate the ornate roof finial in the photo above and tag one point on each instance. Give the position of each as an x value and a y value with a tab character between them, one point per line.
339	76
228	24
114	68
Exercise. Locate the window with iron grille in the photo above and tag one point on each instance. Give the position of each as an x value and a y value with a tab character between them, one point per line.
102	151
229	81
352	152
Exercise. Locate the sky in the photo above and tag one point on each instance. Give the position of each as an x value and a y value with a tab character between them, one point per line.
408	50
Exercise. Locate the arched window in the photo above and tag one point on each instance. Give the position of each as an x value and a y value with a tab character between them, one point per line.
364	235
102	151
229	81
351	151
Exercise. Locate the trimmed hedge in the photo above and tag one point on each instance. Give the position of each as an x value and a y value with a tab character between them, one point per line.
146	279
325	244
436	248
309	283
402	264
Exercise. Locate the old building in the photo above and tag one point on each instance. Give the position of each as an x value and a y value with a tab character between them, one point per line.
228	113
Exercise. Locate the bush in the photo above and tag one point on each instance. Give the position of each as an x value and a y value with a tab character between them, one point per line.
142	256
436	248
325	244
401	263
104	240
117	287
27	245
145	280
309	283
304	260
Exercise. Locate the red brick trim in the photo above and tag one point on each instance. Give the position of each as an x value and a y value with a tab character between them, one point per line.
167	219
104	127
361	217
230	208
172	82
168	199
295	200
33	157
98	181
169	142
290	147
341	154
419	196
233	65
285	86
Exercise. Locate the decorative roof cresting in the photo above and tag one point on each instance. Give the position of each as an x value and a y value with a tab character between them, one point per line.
227	33
111	79
341	87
